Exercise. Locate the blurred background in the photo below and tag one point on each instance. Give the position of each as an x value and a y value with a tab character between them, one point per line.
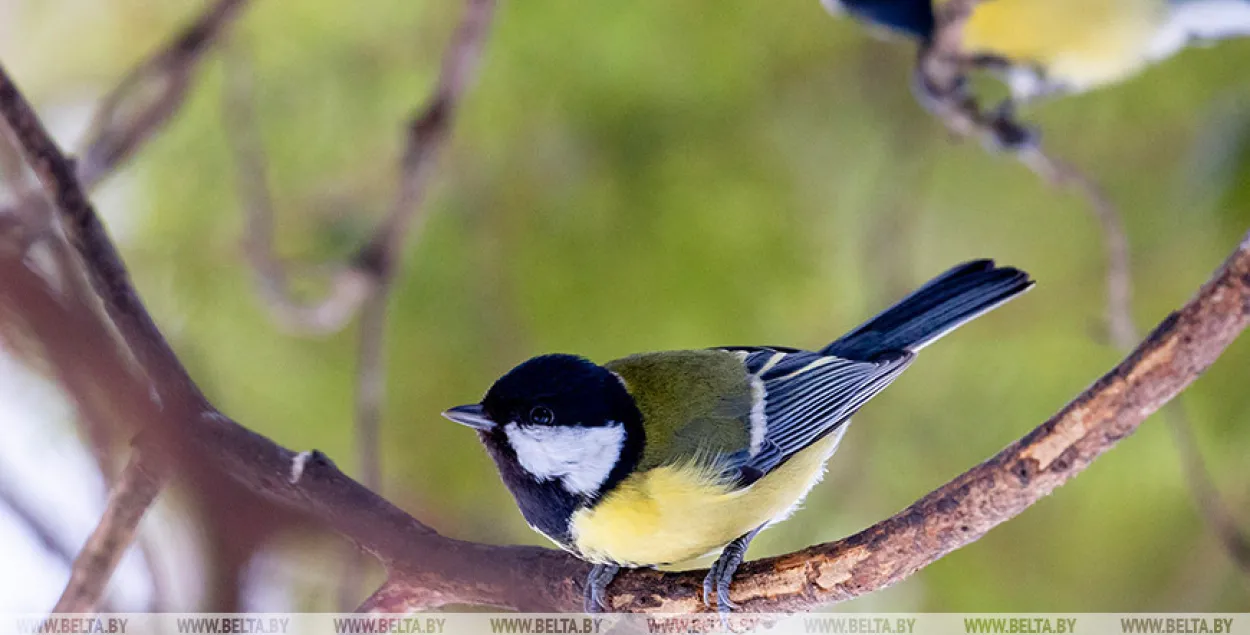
643	176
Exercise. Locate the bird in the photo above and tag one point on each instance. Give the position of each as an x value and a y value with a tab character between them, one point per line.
662	458
1053	47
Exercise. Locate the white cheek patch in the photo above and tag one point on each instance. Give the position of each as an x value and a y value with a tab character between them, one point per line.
582	458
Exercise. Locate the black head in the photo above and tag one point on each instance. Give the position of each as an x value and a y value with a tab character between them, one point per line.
562	431
550	390
559	390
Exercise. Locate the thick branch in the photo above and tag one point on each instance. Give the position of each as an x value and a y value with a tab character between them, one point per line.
82	227
1184	345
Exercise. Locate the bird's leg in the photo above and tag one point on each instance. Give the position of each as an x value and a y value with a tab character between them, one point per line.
1007	133
941	85
596	587
721	575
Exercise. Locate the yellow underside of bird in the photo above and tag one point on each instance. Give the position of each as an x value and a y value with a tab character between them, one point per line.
1079	43
677	513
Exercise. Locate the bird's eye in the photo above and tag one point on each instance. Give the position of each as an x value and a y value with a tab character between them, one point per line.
541	415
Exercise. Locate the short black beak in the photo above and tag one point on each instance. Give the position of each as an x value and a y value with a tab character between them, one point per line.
472	415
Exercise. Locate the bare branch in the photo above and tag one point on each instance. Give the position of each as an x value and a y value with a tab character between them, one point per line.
127	117
941	81
941	76
150	94
132	495
363	283
349	287
1119	311
1207	498
355	281
35	523
82	227
370	398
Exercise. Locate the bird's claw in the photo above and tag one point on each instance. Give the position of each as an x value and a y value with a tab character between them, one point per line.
1007	133
595	599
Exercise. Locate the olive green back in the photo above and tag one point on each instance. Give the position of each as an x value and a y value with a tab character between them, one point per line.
693	403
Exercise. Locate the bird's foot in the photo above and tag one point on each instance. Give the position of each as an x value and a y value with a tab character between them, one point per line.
1007	133
943	89
595	599
720	576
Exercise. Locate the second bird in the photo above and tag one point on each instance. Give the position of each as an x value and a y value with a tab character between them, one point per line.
661	458
1060	46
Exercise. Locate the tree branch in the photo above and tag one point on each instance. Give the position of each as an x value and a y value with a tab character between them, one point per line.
132	494
35	523
941	75
150	94
427	569
359	278
941	81
363	283
1206	497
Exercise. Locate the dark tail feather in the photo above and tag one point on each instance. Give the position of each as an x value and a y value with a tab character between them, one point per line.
912	18
940	306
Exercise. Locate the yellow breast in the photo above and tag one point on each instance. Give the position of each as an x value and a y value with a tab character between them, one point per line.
675	513
1082	43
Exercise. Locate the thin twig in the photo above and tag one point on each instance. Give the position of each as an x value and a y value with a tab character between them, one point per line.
132	495
355	281
1119	311
150	94
941	80
362	284
428	133
348	286
1207	498
35	523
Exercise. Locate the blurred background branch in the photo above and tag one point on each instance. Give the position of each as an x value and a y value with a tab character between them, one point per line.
150	94
943	84
35	522
362	284
130	497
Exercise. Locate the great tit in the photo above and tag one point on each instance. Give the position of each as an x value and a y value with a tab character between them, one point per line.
661	458
1046	47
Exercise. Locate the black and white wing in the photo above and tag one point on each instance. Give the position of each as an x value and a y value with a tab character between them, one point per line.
801	396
